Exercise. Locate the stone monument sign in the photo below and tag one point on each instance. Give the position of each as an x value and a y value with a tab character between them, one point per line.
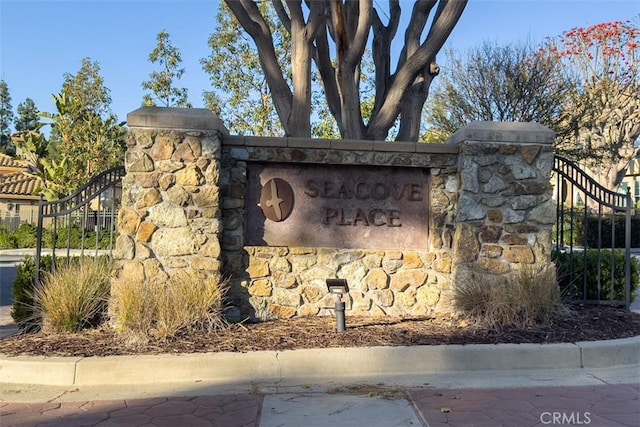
337	206
404	223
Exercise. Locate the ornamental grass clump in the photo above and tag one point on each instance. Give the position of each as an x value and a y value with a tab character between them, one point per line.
74	296
527	297
153	309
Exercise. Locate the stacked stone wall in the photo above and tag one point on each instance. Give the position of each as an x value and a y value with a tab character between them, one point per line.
184	208
284	282
505	211
170	214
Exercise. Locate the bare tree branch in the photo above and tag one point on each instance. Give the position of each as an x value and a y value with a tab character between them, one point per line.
358	43
349	24
413	34
322	58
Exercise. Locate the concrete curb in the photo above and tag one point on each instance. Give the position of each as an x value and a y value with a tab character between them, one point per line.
358	362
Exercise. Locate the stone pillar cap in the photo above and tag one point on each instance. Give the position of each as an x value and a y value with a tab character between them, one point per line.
507	132
175	118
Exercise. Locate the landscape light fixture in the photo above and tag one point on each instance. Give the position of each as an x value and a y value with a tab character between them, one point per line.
339	287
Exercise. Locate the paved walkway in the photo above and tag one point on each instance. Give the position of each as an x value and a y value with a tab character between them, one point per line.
596	405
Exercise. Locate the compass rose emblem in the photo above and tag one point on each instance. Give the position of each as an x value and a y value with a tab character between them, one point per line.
276	199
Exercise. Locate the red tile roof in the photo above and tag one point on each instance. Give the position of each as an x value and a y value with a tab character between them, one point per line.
11	162
19	184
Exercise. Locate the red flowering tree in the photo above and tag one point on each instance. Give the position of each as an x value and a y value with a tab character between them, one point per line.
602	66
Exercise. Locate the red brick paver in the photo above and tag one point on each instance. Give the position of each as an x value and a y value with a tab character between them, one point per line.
601	406
221	411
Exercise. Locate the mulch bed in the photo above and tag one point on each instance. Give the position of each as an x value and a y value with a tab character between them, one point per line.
578	324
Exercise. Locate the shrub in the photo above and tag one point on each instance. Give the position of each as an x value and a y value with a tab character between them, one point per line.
571	266
74	296
26	236
7	239
524	298
591	224
159	309
23	288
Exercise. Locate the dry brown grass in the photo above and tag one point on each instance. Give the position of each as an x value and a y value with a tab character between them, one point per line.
151	309
74	296
527	297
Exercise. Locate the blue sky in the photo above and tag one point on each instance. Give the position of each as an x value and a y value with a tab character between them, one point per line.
42	40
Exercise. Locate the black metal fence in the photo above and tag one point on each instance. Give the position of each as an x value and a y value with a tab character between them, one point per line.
592	238
85	220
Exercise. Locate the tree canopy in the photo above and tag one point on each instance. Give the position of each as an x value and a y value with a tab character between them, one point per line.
161	83
6	118
28	116
333	35
85	136
602	65
242	98
584	84
493	82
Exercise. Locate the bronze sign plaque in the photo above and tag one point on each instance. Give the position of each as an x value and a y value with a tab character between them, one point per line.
337	206
276	199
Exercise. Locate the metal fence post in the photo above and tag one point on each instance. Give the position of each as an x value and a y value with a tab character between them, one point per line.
627	252
39	237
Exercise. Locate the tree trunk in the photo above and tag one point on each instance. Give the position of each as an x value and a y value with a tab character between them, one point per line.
251	20
350	42
382	38
302	37
322	58
447	16
411	110
349	24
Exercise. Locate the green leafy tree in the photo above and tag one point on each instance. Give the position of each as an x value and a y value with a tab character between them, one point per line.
34	148
242	97
333	36
86	89
89	134
86	138
494	82
28	116
6	118
161	84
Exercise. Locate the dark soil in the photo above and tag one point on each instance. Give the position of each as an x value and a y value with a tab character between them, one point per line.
577	324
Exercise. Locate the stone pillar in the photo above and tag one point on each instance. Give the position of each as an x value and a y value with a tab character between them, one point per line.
170	214
505	212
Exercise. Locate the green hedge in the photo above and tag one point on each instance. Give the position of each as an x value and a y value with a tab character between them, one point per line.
590	227
26	237
570	275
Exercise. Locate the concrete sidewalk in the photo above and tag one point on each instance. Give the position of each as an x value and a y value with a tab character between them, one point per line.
494	385
500	398
589	383
604	406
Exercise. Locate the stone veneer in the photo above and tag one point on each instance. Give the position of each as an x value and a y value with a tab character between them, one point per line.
184	203
170	213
